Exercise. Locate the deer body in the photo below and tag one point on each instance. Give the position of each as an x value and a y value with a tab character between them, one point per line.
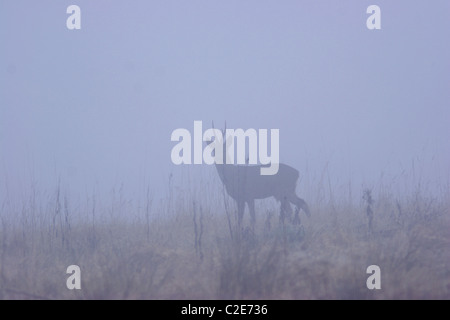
245	184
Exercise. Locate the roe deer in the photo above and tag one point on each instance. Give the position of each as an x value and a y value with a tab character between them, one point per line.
244	184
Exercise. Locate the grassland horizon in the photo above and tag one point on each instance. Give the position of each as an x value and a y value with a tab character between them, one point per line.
189	247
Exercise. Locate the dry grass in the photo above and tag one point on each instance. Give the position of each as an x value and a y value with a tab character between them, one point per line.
190	253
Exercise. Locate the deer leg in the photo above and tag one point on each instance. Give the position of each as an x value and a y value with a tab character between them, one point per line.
251	208
285	210
295	202
282	214
299	204
296	220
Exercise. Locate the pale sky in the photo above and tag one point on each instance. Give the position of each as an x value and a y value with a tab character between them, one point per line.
96	106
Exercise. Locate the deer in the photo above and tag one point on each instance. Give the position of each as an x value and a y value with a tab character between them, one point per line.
244	184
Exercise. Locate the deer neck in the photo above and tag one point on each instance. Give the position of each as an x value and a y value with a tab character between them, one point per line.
221	171
224	169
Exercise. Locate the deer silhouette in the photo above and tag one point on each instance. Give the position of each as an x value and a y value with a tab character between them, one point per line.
245	184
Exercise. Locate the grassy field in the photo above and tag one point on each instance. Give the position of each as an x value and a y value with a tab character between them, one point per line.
192	249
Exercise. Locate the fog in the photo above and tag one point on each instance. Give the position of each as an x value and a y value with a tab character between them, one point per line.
94	109
93	206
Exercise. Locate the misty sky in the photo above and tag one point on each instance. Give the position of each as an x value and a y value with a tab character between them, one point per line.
97	106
